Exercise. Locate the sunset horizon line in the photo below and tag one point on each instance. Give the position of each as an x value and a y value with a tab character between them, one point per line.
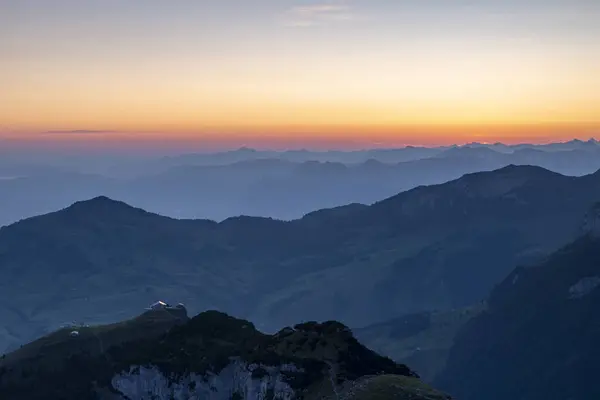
317	144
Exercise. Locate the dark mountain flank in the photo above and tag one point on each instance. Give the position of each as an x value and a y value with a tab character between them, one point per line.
539	337
436	247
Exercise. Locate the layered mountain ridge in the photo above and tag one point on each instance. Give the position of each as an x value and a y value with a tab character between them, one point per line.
430	248
260	183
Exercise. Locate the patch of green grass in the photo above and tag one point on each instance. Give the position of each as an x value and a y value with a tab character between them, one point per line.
93	340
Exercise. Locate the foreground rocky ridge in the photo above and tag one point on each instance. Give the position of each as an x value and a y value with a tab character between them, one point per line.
165	355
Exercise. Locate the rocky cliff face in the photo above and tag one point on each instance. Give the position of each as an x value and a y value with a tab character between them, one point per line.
239	380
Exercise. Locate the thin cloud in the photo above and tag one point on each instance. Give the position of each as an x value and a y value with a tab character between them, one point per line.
79	132
318	14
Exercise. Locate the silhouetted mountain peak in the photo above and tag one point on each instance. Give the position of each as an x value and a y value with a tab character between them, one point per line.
505	179
321	167
99	202
524	170
591	143
518	173
245	149
469	150
487	184
103	208
262	162
373	163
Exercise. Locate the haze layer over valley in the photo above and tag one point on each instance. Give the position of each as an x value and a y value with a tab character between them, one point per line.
283	185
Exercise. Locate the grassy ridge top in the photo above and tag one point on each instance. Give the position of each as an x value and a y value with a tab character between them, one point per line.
67	366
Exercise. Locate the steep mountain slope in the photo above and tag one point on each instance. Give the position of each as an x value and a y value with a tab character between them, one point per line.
539	339
437	247
211	356
421	340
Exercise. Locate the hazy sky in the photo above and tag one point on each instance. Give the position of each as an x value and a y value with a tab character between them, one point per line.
396	71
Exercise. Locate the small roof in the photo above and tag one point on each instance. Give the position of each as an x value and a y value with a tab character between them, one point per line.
158	304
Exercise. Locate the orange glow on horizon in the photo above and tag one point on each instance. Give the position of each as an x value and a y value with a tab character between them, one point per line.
340	135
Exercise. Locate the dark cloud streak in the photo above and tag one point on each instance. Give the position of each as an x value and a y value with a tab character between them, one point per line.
78	132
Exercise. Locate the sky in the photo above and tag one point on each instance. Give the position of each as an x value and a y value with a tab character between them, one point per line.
299	72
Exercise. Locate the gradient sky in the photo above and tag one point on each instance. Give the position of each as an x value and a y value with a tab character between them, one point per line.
267	71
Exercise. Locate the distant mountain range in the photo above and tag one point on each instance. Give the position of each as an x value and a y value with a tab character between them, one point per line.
391	155
430	248
129	163
282	185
